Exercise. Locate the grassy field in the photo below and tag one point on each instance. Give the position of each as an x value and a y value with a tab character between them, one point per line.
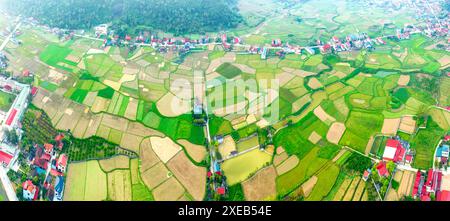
239	168
360	127
425	143
6	100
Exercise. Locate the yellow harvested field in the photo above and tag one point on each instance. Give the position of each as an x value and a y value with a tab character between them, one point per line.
342	189
170	190
100	104
172	106
406	184
408	124
191	176
279	158
335	132
227	146
324	116
155	175
95	182
359	191
115	122
314	137
131	142
308	186
261	186
165	148
287	165
147	156
196	152
314	83
339	155
351	189
118	162
142	131
119	185
403	80
390	126
134	169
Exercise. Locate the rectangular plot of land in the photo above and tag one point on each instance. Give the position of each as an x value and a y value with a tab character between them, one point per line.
351	189
170	190
390	126
147	155
155	175
119	185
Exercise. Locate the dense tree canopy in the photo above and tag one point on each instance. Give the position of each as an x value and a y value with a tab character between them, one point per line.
175	16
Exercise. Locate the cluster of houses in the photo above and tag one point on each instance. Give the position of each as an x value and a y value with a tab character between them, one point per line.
436	181
3	61
10	120
47	161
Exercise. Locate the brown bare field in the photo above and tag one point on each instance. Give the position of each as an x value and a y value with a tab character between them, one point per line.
339	155
314	137
280	150
342	189
403	80
131	142
196	152
408	124
119	185
308	186
147	156
444	61
172	106
261	186
115	122
93	125
390	126
164	148
314	83
100	104
287	165
323	116
335	132
155	175
351	189
81	126
227	146
118	162
191	176
406	184
142	131
392	195
168	191
279	158
131	110
359	191
284	78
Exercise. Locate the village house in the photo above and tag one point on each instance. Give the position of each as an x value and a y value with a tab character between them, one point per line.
48	148
61	163
30	191
382	170
394	151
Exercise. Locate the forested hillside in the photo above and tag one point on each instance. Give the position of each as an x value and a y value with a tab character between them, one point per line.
175	16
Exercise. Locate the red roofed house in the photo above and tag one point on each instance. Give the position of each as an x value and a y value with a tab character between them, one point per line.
393	151
34	91
366	175
30	191
5	158
41	159
382	170
221	190
447	138
325	48
409	158
415	191
62	163
11	117
48	148
209	174
443	195
59	142
26	73
430	184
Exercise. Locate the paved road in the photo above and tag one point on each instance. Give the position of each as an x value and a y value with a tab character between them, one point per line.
7	185
9	37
